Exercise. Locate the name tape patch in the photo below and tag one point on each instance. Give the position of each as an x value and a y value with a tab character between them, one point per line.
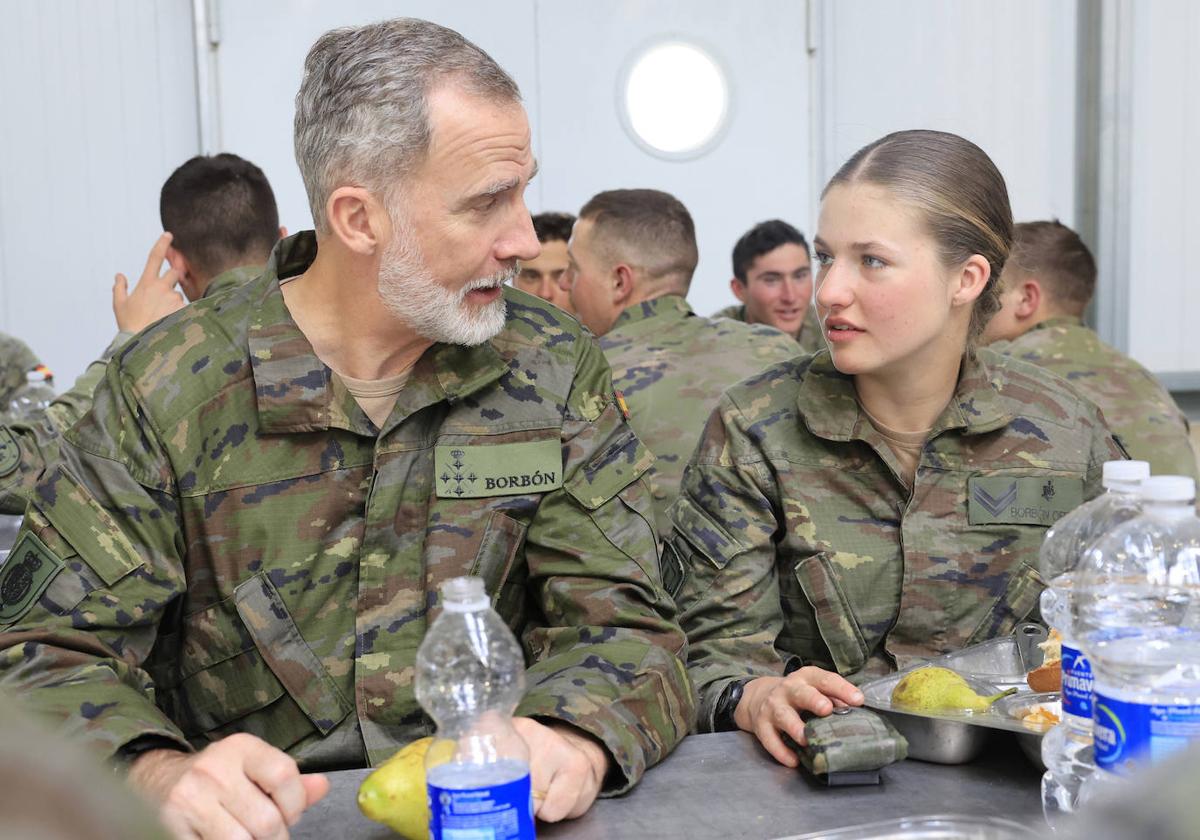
29	569
473	471
1022	500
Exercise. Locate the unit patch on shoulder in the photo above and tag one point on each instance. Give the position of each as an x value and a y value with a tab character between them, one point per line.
477	471
1021	500
29	569
10	452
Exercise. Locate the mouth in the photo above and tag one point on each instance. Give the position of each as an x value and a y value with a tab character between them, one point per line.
838	330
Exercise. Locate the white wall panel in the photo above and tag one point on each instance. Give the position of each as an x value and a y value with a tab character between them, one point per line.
1164	223
98	102
1000	74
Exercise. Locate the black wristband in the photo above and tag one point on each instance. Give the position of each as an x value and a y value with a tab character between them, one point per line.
727	703
125	755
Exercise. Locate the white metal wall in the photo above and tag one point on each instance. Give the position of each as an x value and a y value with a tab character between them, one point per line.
98	106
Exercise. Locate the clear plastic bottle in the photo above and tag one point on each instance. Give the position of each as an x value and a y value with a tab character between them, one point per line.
470	676
34	397
1141	623
1067	748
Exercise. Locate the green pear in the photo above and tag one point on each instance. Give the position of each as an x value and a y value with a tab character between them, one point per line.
940	690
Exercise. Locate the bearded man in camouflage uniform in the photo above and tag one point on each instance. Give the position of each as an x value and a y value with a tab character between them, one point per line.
251	525
772	277
1045	289
632	255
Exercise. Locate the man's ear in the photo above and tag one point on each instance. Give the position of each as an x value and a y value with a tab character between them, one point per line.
282	232
189	283
358	219
738	288
1030	301
624	285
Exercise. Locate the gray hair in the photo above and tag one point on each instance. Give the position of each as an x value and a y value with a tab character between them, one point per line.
361	111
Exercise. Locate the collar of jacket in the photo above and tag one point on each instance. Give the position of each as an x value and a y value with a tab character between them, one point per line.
232	278
829	406
297	392
659	309
1058	321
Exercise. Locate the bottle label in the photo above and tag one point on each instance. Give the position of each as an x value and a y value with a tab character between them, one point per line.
1076	683
1127	734
498	812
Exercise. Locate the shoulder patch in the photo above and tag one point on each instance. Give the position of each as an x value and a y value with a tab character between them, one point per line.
30	568
1021	500
10	452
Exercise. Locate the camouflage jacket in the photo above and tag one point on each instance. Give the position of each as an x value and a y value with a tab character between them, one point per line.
671	365
797	543
228	544
810	339
1136	406
16	360
26	446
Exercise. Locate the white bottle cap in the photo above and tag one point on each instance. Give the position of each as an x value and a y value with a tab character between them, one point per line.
1169	488
1126	472
35	376
464	594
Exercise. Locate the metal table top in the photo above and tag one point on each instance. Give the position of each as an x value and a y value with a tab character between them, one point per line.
726	786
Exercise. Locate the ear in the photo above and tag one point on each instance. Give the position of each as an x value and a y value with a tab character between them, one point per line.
624	285
1030	301
972	279
282	232
358	219
189	283
738	288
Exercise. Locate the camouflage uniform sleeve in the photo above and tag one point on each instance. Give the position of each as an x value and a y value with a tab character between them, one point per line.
607	652
71	405
103	541
721	558
25	449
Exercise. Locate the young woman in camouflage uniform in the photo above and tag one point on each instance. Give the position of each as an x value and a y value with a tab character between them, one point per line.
884	500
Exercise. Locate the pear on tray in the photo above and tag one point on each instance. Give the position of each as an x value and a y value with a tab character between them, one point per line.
939	690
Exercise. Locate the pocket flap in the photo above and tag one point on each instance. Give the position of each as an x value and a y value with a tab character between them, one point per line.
705	537
287	654
95	535
834	617
617	466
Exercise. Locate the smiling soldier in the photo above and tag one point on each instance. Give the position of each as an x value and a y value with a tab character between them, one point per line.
241	550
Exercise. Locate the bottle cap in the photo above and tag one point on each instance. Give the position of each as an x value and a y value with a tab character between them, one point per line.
1125	472
1169	488
464	594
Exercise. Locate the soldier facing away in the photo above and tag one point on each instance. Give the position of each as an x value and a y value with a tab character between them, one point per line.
850	512
632	256
1046	286
241	548
772	277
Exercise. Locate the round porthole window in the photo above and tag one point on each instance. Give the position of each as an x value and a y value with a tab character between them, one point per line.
674	99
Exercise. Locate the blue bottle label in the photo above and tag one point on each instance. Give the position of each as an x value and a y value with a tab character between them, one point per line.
1128	734
1076	683
497	812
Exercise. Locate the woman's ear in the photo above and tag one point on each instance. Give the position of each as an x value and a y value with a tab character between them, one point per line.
972	279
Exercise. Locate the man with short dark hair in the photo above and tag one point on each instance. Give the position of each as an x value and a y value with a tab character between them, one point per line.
540	275
772	277
632	256
244	542
1046	285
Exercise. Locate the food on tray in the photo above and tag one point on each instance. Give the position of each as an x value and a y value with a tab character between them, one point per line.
1042	716
936	689
1048	676
395	793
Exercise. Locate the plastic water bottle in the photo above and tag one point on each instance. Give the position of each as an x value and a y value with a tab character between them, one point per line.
34	397
1143	598
1067	748
470	676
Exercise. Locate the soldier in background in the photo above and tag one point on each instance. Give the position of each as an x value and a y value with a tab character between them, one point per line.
16	360
1046	287
632	257
884	501
229	572
541	275
220	222
772	277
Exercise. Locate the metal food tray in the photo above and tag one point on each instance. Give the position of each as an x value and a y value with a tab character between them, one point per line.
940	827
950	738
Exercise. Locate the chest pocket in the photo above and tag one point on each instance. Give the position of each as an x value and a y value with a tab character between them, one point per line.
241	665
819	624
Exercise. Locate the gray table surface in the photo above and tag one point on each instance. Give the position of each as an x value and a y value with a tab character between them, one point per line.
726	786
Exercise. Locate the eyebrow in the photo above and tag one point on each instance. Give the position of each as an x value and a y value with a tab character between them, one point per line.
818	242
505	185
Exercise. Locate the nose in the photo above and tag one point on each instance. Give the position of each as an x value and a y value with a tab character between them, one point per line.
833	289
519	241
566	280
789	292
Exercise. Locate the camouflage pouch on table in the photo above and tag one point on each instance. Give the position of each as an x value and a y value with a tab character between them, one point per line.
851	740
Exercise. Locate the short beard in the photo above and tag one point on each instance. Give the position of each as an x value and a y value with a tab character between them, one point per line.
411	293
